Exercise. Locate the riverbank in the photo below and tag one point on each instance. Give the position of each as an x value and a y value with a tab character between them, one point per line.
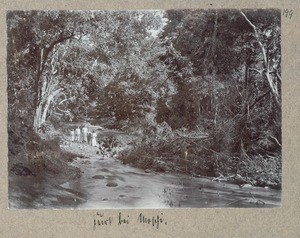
37	169
84	176
108	183
192	154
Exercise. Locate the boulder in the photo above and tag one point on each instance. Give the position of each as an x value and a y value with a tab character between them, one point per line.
111	184
246	185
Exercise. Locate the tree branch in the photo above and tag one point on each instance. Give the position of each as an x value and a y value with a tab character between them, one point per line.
62	110
257	37
266	61
275	140
66	99
51	46
256	70
259	98
44	53
277	75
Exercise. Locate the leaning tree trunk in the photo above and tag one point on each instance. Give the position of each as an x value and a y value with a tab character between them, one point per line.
44	86
48	96
46	92
37	117
47	104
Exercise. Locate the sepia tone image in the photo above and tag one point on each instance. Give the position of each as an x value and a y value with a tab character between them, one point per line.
144	109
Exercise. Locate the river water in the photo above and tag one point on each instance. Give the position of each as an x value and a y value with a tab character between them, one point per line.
107	183
134	188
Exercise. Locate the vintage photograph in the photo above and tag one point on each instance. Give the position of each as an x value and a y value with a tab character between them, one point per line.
144	109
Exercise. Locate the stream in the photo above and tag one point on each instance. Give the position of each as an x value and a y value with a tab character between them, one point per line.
137	189
107	183
134	188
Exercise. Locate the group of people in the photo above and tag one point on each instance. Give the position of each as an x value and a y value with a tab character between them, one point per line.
84	135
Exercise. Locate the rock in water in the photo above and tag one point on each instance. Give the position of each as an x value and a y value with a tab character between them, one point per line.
111	184
147	171
246	185
98	177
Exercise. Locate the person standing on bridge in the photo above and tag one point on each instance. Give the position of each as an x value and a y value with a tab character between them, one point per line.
84	134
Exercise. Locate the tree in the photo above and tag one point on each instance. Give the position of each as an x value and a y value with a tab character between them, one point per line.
229	84
270	66
132	78
39	45
45	46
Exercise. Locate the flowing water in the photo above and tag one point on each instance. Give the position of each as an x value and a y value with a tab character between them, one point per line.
134	188
107	183
137	189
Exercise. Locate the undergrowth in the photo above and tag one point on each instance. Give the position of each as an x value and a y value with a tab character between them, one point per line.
27	151
196	154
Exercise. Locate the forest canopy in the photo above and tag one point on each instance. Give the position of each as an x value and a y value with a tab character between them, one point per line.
167	74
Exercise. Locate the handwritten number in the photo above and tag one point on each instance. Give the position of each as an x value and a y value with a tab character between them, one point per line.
288	13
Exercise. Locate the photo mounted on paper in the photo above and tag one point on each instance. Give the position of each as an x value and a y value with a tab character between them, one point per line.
144	109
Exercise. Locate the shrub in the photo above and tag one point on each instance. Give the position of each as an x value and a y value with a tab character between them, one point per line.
261	170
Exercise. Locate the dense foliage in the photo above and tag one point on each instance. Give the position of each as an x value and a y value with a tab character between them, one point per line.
202	88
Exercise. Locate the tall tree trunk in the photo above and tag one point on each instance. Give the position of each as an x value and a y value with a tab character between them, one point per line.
37	118
47	104
213	69
41	83
43	108
266	71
